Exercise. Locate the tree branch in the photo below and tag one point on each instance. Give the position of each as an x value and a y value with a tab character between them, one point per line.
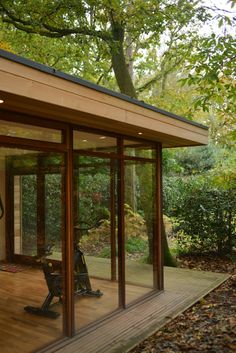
47	30
54	32
149	83
105	35
216	8
12	16
105	73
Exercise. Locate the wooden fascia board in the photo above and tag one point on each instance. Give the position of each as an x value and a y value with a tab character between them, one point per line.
29	83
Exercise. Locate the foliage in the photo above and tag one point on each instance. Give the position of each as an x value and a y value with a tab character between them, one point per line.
152	47
135	225
53	215
29	214
123	34
205	214
53	226
92	182
136	245
189	161
212	71
97	240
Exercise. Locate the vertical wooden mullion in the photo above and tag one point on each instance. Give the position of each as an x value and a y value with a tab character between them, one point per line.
9	213
159	222
62	171
113	219
69	323
121	227
155	228
40	207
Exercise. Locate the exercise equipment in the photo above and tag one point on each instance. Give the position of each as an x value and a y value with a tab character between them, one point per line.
82	285
54	284
82	281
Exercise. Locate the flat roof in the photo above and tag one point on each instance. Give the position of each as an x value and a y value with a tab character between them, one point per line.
139	115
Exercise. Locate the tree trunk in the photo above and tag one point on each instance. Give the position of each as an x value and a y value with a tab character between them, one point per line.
121	72
129	57
119	64
125	83
168	258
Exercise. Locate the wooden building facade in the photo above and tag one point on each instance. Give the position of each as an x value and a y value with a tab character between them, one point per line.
81	195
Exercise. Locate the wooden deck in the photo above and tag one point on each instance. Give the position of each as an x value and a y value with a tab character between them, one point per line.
124	331
21	332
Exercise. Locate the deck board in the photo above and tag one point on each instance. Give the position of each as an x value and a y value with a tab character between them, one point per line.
21	332
119	334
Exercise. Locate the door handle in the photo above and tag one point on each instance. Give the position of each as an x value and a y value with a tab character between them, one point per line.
1	208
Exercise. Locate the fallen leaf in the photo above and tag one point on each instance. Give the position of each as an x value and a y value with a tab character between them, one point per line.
232	321
232	346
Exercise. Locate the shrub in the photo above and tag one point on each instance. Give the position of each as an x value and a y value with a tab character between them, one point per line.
136	245
204	214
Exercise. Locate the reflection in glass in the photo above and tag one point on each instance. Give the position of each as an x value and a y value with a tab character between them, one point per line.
138	149
94	142
9	128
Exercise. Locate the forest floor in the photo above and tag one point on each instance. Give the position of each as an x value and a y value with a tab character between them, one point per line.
210	325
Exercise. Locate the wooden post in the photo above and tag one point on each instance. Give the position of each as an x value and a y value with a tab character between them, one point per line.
159	221
68	253
113	218
121	227
40	206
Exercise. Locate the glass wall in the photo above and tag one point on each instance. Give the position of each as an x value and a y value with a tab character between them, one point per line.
139	218
33	225
31	231
95	227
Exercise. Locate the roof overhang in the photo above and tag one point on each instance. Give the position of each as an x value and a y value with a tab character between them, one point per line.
31	88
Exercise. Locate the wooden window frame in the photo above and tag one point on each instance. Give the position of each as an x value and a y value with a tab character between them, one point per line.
66	147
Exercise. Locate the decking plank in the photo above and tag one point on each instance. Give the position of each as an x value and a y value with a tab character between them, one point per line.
122	332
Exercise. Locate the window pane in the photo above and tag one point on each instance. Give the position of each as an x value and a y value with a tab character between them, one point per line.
93	142
138	149
53	213
139	228
33	198
95	236
9	128
25	215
